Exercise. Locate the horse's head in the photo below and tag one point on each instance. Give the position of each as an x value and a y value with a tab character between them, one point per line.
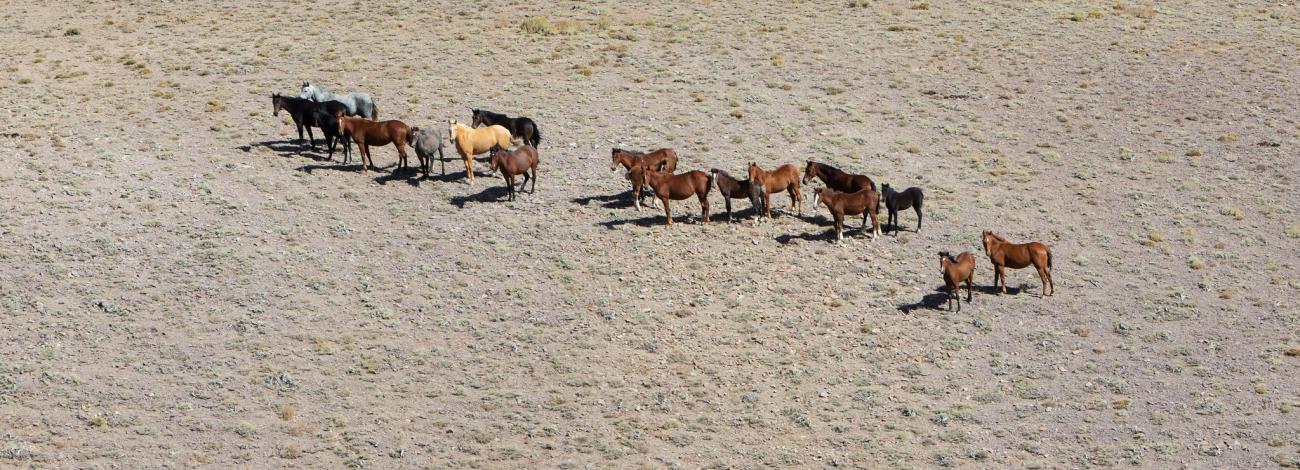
308	90
817	196
615	157
944	259
477	118
495	155
884	188
276	104
987	238
809	171
755	173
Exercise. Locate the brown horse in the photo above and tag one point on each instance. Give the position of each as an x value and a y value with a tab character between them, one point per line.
955	271
865	202
783	178
519	161
670	187
380	133
664	160
836	179
1005	254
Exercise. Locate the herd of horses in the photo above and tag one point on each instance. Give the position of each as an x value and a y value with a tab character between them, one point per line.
354	119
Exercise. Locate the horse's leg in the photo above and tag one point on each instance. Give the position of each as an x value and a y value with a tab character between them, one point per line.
534	191
510	184
726	198
442	160
918	216
839	226
636	196
1002	275
704	204
767	204
668	212
969	293
1042	278
366	162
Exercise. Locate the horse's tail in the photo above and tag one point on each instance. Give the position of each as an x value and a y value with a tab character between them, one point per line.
1049	258
374	112
711	182
537	136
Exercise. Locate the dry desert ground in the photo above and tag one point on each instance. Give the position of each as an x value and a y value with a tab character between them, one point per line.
182	284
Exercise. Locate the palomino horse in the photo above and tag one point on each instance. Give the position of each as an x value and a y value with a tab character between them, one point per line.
896	201
520	161
520	127
670	187
366	133
783	178
663	160
1005	254
358	104
732	188
865	202
836	179
470	142
955	271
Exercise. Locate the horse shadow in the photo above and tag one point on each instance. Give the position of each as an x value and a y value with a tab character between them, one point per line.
610	201
647	221
488	194
994	290
290	148
414	177
932	301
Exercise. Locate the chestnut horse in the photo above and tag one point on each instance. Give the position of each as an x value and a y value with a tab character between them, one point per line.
520	161
783	178
955	271
865	202
896	201
470	142
732	188
664	160
366	133
1005	254
670	187
836	179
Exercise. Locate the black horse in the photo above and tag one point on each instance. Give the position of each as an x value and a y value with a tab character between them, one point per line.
521	127
896	201
308	114
732	188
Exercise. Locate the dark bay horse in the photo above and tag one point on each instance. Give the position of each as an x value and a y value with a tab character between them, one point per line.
865	202
955	271
308	114
896	201
670	187
663	160
520	161
521	127
836	179
1005	254
732	188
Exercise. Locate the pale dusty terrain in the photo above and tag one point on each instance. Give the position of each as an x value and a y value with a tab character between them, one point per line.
182	286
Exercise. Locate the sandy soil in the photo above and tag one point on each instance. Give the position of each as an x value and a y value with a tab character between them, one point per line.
183	285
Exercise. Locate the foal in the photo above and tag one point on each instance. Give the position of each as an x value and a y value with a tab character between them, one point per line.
1005	254
836	179
732	188
865	202
783	178
896	201
955	271
664	160
670	187
366	133
520	161
426	141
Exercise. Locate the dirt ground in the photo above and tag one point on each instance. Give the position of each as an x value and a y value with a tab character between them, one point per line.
183	285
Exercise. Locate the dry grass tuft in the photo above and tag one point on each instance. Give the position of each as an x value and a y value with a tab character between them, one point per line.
902	27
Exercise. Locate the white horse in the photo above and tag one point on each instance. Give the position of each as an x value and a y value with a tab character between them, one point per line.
358	104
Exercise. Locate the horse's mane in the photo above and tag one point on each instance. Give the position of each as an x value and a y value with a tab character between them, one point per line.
723	173
997	237
828	167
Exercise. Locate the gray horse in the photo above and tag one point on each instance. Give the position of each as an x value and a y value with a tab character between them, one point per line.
426	141
358	104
